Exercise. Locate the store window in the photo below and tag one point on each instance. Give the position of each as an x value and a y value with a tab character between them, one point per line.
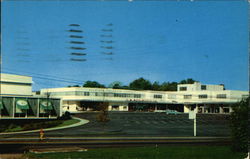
221	96
183	88
202	96
157	96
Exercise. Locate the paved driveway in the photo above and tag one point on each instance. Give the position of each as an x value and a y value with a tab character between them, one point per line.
146	124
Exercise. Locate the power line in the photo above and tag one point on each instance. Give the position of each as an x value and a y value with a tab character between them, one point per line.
52	79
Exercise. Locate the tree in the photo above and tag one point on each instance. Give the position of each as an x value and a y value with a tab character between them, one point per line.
140	84
103	115
168	86
116	85
239	126
156	86
93	84
187	81
74	86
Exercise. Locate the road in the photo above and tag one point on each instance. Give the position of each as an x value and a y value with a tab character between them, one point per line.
24	144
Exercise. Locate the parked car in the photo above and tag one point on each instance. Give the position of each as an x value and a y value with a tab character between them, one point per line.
172	112
159	111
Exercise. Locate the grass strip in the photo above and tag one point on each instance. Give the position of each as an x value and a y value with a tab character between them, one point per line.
17	128
149	152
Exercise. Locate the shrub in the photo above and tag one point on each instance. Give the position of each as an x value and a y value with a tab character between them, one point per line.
47	124
102	117
239	126
66	116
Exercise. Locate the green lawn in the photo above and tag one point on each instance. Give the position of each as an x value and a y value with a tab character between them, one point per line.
18	128
56	123
160	152
68	122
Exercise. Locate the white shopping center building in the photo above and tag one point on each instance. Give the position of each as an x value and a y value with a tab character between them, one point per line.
17	100
206	98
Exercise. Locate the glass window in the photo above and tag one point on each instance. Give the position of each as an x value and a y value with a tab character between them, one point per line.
157	96
116	95
78	93
202	96
221	96
183	88
137	96
203	87
98	93
86	93
108	94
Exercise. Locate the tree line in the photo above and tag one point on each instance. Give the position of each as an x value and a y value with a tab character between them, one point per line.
139	84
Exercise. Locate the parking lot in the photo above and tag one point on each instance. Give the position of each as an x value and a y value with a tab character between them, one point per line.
146	124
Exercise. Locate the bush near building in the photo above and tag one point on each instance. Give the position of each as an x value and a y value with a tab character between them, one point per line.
103	115
24	124
239	126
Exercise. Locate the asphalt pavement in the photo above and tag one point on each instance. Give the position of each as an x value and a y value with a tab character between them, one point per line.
142	124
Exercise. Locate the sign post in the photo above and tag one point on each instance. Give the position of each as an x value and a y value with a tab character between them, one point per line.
192	115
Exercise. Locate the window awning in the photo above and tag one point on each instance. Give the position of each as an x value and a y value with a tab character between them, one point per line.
1	104
22	104
46	104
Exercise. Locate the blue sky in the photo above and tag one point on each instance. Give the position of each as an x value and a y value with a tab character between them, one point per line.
158	40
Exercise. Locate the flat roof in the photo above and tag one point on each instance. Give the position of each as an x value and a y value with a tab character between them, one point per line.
15	78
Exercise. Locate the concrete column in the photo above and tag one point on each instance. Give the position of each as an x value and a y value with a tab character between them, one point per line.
205	108
38	107
61	108
109	108
221	110
186	108
196	108
13	106
230	109
202	109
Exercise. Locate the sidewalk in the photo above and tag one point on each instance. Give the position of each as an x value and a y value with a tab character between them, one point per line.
82	122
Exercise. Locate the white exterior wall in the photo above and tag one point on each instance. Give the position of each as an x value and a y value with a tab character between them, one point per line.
215	87
186	109
15	78
71	106
173	97
237	95
15	85
211	96
190	87
67	94
9	90
197	87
